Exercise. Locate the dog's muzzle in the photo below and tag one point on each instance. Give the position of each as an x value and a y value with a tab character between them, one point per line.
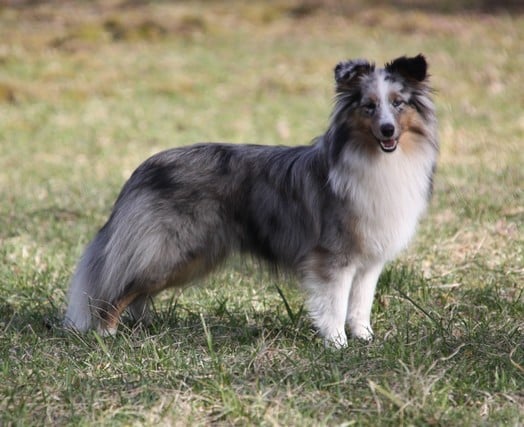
387	140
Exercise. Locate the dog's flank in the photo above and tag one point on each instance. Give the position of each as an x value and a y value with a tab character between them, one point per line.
334	211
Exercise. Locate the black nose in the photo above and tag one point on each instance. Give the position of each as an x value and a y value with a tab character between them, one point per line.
387	130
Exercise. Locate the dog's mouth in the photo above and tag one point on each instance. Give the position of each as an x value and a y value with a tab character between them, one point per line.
388	145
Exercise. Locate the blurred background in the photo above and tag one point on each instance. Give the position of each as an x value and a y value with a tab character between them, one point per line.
89	89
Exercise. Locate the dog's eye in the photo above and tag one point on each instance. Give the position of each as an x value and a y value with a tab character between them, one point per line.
397	103
370	107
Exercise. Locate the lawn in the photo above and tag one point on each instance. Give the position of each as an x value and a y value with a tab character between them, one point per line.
90	89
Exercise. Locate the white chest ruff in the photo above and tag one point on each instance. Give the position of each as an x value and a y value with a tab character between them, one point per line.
386	199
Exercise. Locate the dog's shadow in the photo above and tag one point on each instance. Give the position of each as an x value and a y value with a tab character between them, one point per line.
222	326
174	323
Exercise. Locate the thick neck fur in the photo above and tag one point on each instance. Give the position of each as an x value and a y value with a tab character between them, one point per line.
386	192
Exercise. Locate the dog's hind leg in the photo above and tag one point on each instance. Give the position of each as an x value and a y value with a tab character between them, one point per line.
136	295
139	309
136	304
110	316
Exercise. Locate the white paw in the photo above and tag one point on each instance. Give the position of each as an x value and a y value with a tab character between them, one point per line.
362	331
106	332
337	340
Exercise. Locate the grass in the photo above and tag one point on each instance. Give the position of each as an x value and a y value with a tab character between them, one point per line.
90	89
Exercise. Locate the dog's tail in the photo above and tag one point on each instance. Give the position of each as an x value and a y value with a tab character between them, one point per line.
85	289
131	258
78	314
115	264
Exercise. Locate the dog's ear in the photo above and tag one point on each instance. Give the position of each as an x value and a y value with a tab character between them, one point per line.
348	72
414	68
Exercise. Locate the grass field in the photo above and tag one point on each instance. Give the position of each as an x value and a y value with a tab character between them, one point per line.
90	89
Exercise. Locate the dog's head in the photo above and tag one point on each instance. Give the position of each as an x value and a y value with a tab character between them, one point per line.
379	106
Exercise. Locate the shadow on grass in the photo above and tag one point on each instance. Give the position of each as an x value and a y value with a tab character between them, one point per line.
219	355
483	319
227	328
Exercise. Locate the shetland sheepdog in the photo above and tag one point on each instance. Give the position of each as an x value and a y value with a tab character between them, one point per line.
333	212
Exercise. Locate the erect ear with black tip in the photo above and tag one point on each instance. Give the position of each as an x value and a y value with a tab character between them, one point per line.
347	72
414	68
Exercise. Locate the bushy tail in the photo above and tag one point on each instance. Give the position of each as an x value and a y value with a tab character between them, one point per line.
130	253
143	248
83	288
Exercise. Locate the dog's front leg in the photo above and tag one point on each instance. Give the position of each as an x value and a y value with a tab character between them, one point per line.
327	303
361	301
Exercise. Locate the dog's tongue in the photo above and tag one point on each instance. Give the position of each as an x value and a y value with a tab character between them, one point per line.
390	143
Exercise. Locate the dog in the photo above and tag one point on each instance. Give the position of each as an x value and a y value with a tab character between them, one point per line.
333	212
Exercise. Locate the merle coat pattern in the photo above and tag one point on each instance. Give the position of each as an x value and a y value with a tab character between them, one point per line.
334	212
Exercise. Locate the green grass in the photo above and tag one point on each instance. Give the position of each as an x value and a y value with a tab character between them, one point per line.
90	89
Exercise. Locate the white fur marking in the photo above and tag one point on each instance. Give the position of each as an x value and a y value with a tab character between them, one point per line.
383	90
387	194
361	301
327	304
